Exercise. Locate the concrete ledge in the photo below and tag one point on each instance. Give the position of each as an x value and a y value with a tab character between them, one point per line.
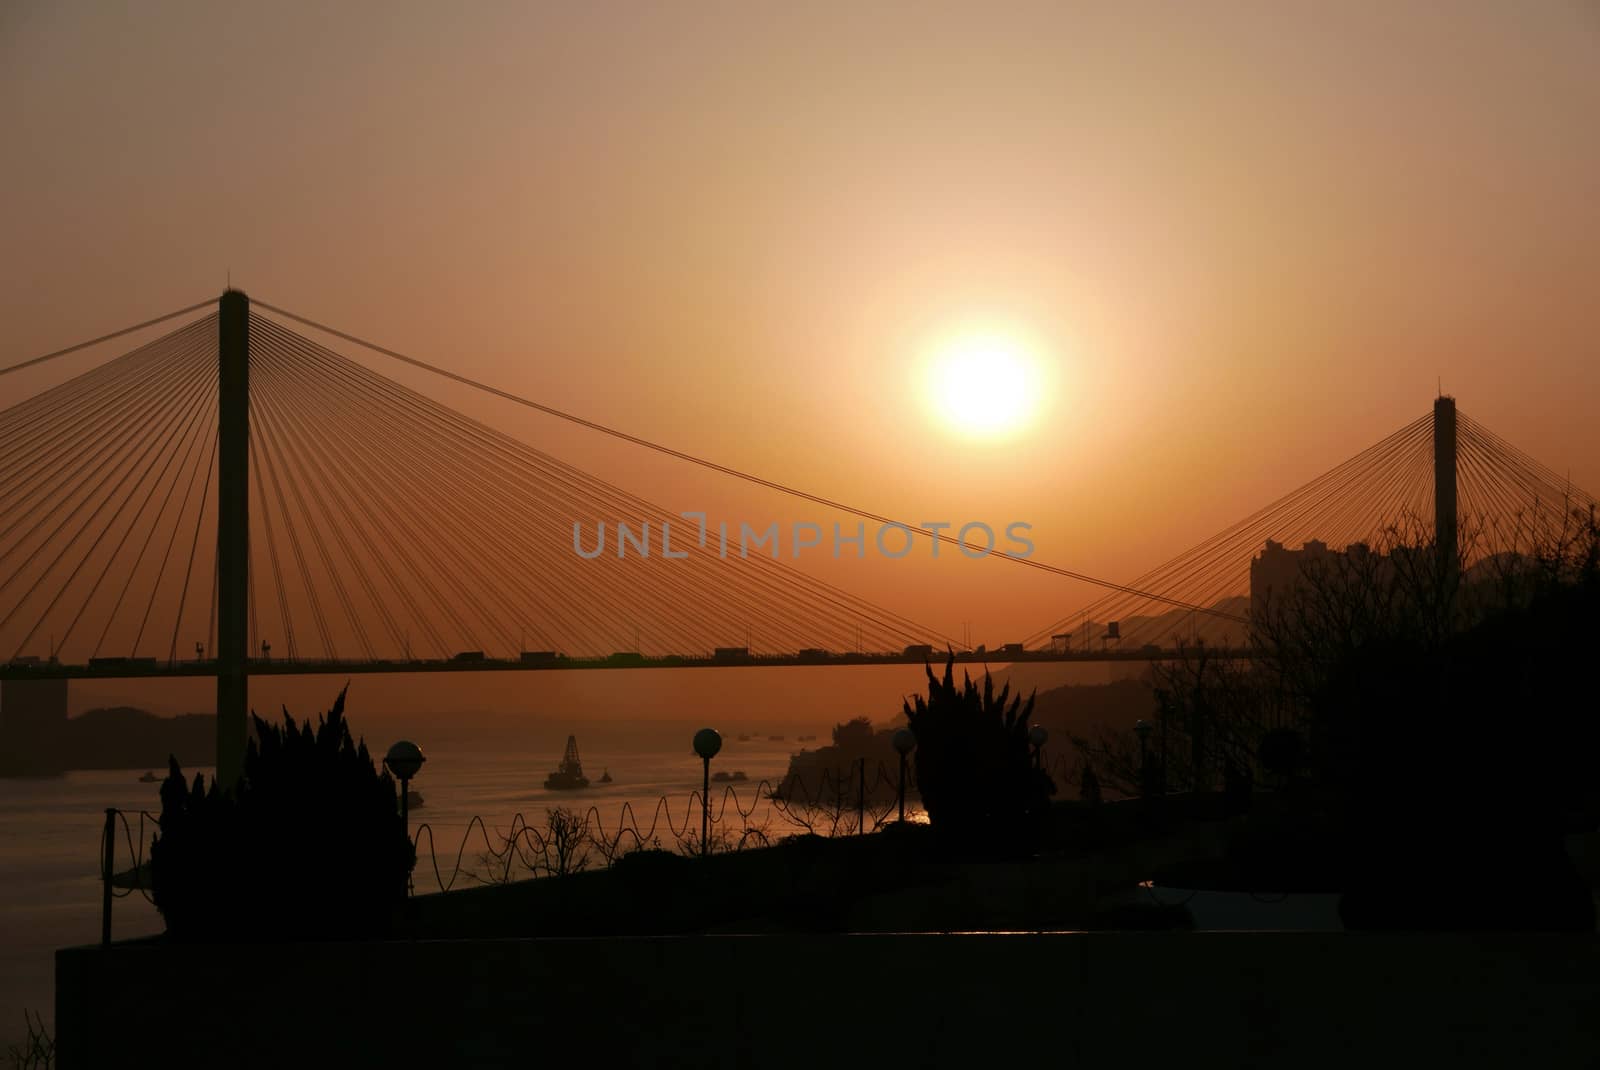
1102	999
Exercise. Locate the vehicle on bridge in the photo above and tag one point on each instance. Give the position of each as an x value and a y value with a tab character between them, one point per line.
539	657
469	655
731	653
919	650
122	663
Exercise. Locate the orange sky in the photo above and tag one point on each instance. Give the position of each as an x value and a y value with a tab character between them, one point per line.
1249	239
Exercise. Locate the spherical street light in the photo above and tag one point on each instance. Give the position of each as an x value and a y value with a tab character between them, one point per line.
707	742
404	759
1036	736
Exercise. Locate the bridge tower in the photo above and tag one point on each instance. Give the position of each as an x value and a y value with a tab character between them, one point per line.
1444	482
233	534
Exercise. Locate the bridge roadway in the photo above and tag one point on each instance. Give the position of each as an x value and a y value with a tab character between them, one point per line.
138	668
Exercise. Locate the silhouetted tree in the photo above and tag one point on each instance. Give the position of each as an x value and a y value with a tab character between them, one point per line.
1089	785
1440	710
1282	754
564	845
975	765
38	1052
308	846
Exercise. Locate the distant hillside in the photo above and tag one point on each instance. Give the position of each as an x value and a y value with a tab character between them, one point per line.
121	737
1079	710
1074	710
124	737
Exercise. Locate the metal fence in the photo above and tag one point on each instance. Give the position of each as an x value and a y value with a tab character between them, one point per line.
849	801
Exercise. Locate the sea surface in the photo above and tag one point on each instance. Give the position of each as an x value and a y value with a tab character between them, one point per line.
51	832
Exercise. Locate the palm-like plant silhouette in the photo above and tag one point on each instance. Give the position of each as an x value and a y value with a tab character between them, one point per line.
974	766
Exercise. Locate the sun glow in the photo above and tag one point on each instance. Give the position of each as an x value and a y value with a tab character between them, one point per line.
984	384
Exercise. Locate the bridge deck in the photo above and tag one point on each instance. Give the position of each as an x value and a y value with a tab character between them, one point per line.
303	667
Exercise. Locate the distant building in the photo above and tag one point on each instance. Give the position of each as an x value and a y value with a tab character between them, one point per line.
1277	571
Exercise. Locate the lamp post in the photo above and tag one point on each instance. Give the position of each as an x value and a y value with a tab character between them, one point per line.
1143	728
403	760
707	742
1037	736
1161	766
904	741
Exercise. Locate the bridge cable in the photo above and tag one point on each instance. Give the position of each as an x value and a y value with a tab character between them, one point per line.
399	523
292	416
300	475
470	427
456	416
197	407
194	448
394	527
724	469
1245	532
151	436
194	545
107	337
128	431
1294	512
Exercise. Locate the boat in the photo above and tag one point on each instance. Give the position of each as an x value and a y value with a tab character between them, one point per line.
807	739
413	799
774	739
744	737
605	778
725	777
569	776
149	778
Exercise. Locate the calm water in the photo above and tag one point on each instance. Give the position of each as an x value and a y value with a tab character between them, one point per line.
50	843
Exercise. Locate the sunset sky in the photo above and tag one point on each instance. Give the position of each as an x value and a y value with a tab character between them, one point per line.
1234	243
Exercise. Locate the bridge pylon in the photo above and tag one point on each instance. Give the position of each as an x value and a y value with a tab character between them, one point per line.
233	534
1444	483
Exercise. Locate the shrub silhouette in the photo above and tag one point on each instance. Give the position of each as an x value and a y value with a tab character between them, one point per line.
1089	785
309	847
975	766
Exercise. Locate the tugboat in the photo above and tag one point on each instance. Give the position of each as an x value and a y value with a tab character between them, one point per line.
605	778
569	776
149	778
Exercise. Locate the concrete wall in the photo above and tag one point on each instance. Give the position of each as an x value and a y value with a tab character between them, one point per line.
1295	1000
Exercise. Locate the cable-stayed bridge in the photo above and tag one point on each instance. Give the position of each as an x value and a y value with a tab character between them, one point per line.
235	497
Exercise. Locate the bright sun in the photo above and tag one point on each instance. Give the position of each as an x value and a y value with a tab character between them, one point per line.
984	384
